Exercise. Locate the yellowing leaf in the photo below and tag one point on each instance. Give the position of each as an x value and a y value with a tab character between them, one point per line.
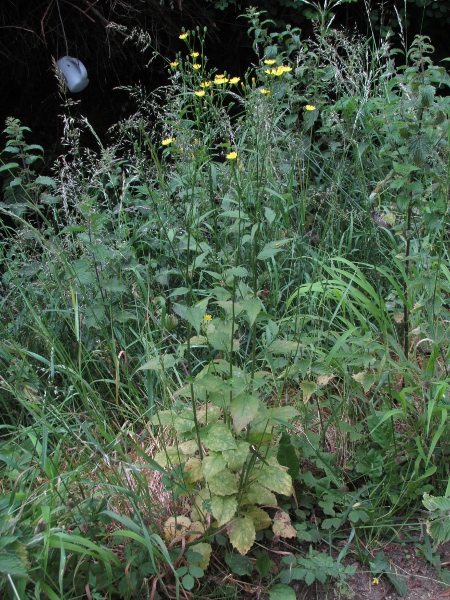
213	464
193	468
236	458
258	494
243	410
282	525
260	518
219	438
189	447
223	508
197	530
223	484
174	527
242	534
276	479
205	550
169	456
324	379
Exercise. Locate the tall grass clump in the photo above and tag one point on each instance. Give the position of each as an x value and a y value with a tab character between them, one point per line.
225	331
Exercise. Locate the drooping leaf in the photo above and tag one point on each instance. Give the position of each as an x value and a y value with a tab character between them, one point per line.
308	388
365	379
252	306
242	534
194	470
272	248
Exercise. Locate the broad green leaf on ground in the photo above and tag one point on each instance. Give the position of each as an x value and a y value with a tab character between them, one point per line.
280	591
242	534
365	379
223	508
213	464
243	410
223	484
282	525
205	551
219	438
276	479
260	518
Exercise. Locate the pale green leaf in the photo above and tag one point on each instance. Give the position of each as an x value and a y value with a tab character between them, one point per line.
160	363
242	534
169	456
252	306
219	438
275	478
236	458
243	410
194	470
205	551
213	464
272	248
281	591
260	518
258	494
365	379
223	484
223	508
308	388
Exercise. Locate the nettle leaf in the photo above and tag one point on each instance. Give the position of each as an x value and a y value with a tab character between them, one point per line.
219	438
282	525
223	484
48	181
420	148
260	518
426	95
243	410
14	562
308	388
272	249
213	464
365	379
276	479
242	534
223	508
236	458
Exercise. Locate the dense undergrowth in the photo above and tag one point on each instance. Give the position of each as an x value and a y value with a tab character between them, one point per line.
226	333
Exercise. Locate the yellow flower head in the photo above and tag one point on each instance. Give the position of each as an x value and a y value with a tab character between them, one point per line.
235	80
183	36
232	156
200	93
168	141
264	92
174	64
220	80
279	70
196	66
310	107
205	84
207	318
375	581
194	54
270	61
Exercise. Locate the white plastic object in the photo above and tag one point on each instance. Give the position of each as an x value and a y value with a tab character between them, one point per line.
73	72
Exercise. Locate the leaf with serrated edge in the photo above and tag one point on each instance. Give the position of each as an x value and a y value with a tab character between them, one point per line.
169	456
213	464
365	379
219	438
243	410
258	494
282	525
236	458
276	479
189	447
242	534
260	518
223	508
223	484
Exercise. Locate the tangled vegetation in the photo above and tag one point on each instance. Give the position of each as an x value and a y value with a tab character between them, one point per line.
224	348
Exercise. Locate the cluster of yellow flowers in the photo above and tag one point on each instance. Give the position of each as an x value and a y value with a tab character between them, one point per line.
279	70
168	141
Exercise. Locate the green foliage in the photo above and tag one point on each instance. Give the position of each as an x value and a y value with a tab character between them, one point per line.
227	329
